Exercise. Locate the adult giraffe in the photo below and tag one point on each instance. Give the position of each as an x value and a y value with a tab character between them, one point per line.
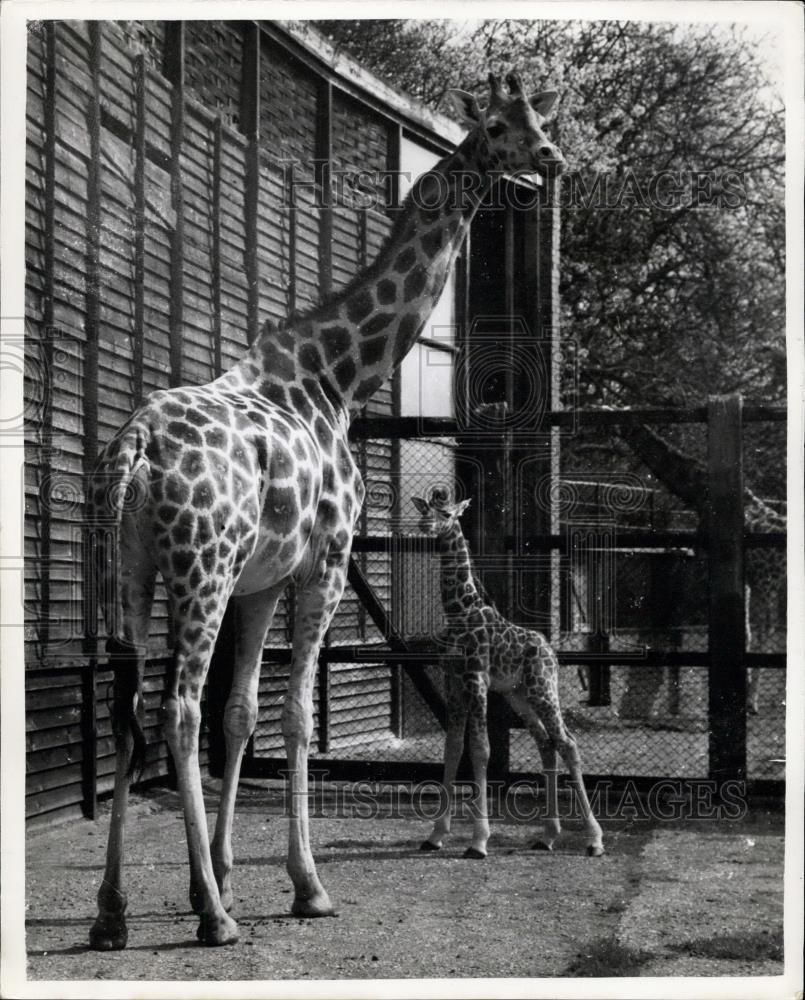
232	489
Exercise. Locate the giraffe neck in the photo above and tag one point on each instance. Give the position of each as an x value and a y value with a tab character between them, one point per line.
351	343
459	591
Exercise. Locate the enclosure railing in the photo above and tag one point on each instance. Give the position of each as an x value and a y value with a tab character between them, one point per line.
723	536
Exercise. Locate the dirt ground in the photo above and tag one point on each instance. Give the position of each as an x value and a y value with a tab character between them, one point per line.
685	898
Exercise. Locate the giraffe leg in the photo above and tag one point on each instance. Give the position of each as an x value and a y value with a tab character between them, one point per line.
316	602
565	743
547	752
475	692
109	932
181	715
453	747
253	616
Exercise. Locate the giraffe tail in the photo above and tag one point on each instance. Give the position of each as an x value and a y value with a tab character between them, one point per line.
115	491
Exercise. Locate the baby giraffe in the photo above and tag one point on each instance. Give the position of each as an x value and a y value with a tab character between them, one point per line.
484	651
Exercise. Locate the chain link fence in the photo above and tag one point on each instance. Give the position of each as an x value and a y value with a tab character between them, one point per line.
628	617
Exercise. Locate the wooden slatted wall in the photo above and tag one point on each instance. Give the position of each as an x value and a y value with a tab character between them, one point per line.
123	241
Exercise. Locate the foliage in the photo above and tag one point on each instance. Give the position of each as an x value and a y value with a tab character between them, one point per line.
666	304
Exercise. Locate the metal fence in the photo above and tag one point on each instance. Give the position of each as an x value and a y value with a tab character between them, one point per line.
642	597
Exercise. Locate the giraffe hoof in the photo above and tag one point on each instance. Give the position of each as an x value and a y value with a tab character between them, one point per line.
427	846
595	851
215	931
540	845
108	934
316	906
474	853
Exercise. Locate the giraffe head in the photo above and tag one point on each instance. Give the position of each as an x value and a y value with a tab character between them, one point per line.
439	518
511	126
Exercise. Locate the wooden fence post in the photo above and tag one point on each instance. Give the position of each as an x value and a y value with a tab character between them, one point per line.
174	70
727	637
250	126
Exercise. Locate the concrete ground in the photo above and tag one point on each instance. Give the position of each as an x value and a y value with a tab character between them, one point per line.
683	898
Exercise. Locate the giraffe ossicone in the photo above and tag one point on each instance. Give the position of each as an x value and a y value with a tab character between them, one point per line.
484	651
246	484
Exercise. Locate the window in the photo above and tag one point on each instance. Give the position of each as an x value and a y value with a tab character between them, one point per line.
425	389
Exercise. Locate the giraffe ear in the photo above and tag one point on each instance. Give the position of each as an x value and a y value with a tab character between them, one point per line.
420	504
459	508
466	106
544	101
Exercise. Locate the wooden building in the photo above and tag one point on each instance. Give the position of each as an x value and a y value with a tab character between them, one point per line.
187	181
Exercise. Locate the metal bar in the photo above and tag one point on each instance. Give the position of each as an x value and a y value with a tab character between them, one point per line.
139	229
625	540
215	277
174	67
726	627
379	616
250	126
323	175
368	655
599	669
526	545
416	427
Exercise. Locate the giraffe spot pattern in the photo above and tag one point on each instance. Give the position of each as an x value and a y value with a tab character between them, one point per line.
405	260
182	561
203	495
336	341
301	403
386	292
409	326
192	464
183	432
324	433
414	283
310	358
359	305
196	417
432	241
345	372
276	361
372	351
376	324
